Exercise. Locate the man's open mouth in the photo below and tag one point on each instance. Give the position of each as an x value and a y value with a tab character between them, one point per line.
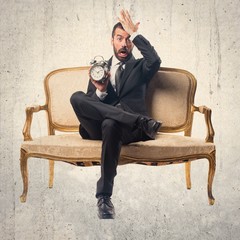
123	53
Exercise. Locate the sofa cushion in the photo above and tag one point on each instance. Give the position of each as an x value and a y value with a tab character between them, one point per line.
72	146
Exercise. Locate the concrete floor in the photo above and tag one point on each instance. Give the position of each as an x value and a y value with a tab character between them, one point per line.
151	202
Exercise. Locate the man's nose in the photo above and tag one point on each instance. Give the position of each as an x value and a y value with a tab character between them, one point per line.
124	43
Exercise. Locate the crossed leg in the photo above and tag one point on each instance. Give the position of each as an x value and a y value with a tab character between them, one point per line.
111	124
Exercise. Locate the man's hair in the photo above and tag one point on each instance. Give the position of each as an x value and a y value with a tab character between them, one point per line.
117	25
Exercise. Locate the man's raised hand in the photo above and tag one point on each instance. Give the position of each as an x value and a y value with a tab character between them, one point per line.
127	23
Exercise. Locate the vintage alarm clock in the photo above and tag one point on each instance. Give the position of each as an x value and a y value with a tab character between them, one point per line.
99	70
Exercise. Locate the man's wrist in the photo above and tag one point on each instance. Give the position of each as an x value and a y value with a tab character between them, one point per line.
133	35
101	95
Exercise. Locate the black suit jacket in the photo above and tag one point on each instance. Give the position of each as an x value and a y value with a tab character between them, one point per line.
135	79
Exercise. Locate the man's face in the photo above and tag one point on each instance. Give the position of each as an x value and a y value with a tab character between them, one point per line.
122	45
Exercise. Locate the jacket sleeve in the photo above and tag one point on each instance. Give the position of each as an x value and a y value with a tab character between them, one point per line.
91	91
151	59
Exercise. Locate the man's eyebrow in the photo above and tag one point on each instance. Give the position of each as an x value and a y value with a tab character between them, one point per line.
119	35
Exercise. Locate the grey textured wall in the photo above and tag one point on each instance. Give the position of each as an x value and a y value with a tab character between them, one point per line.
201	36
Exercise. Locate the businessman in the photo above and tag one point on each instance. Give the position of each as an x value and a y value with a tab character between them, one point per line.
114	111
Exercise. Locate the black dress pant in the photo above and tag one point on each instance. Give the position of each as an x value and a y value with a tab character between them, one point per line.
112	125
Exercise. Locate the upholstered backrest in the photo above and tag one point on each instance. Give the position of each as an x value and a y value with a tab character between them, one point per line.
59	87
169	97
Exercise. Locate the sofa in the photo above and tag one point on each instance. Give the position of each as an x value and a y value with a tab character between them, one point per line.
170	98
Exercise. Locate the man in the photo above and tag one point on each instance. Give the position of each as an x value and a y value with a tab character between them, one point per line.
115	112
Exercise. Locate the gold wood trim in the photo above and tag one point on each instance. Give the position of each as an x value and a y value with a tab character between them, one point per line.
211	173
51	173
24	172
69	128
188	174
166	161
61	158
207	114
24	155
125	160
29	115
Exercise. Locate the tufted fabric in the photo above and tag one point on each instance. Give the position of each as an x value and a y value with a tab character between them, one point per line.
73	146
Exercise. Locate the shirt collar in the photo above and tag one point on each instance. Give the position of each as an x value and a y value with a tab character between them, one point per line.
115	61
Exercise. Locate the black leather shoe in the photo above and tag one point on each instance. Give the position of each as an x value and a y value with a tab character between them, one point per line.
105	208
149	127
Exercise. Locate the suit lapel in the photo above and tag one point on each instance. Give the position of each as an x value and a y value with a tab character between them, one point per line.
109	63
128	68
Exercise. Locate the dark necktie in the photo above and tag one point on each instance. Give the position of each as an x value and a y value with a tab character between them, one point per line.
118	76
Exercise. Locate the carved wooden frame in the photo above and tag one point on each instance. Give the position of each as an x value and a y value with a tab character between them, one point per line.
186	127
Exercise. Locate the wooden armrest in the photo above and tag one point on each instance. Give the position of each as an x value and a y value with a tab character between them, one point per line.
28	122
207	114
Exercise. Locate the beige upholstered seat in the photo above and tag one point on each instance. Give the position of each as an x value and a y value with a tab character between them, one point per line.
170	98
165	146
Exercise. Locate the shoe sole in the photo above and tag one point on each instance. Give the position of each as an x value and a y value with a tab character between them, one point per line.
106	216
156	128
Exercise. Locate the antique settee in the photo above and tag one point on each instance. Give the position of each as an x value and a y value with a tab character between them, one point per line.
170	97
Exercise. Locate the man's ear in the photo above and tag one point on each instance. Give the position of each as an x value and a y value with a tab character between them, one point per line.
112	40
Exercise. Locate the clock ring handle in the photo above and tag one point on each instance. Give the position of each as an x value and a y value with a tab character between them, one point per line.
95	59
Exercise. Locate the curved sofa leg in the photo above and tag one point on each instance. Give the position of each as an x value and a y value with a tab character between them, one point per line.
188	174
51	173
24	171
211	173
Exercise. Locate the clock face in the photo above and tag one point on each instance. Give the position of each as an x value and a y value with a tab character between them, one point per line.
97	73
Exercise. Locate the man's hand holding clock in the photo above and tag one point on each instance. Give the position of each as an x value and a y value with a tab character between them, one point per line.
99	74
101	86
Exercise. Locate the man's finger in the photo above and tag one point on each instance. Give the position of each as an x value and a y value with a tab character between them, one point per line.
120	20
123	15
128	17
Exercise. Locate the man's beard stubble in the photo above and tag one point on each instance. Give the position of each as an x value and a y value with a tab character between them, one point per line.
124	49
